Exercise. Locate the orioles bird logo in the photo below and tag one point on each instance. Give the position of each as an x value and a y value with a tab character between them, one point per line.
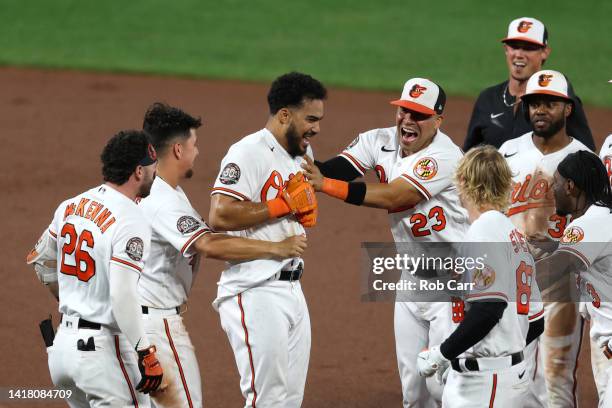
524	26
572	235
417	90
544	79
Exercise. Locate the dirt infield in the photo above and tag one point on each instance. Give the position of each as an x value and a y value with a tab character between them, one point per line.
54	125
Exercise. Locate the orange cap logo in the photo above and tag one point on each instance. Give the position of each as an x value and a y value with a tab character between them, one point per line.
417	90
544	79
524	26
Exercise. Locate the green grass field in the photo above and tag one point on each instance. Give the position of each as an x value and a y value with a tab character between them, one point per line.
360	44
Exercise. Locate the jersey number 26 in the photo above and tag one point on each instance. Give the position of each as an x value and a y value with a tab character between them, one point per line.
84	265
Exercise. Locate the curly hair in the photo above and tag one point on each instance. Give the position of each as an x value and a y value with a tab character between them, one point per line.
122	154
589	175
165	123
484	177
291	89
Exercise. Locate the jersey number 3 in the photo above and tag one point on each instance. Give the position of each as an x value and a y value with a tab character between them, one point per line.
84	266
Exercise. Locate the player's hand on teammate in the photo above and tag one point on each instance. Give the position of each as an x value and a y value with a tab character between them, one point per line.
150	370
313	174
541	245
299	195
291	247
431	361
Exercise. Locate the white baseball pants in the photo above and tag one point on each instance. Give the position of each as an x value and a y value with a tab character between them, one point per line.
268	327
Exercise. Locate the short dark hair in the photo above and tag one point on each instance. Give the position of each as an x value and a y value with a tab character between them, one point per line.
122	154
291	89
164	123
589	175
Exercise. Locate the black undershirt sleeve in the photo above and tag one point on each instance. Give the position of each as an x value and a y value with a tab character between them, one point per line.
535	330
477	323
338	168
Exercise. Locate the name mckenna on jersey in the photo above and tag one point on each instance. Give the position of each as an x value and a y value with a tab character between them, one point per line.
95	212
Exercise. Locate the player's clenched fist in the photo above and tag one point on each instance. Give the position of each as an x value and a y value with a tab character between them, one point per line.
291	247
299	195
150	370
431	361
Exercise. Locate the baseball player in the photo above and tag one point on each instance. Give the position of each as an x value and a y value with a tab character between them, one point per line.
260	193
414	161
582	189
100	241
498	113
533	159
606	155
179	238
486	349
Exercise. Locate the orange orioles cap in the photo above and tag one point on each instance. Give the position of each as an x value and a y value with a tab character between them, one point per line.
423	96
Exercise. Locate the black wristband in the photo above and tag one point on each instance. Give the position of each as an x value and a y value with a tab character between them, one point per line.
338	168
356	192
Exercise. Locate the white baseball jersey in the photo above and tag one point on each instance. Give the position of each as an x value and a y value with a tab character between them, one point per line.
532	207
440	216
94	229
585	238
606	155
255	169
509	274
173	265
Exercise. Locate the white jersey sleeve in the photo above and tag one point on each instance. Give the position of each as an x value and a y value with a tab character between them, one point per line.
179	225
488	280
362	151
580	239
240	174
430	175
131	243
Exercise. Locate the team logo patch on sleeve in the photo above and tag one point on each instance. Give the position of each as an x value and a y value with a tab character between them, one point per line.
230	174
353	143
572	235
426	168
483	278
135	248
187	224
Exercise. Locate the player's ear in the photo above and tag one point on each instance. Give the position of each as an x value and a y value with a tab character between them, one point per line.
439	120
568	109
284	116
177	150
139	172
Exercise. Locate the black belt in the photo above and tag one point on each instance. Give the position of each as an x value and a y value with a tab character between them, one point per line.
145	309
472	363
293	275
85	324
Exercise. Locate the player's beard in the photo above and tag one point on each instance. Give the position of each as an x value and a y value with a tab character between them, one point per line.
553	128
294	142
145	188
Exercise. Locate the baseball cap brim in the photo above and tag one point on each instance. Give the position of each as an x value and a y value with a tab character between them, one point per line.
413	106
525	39
546	92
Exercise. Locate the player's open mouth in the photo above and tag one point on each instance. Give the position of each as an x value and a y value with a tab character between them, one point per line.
519	64
408	135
